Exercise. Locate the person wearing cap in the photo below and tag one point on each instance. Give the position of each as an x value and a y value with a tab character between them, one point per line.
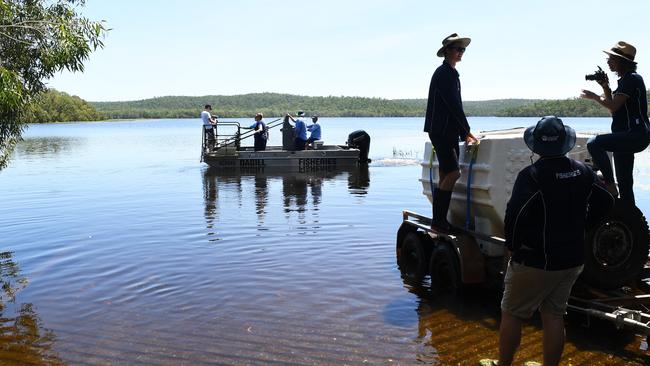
300	133
209	124
314	130
260	134
630	126
446	123
544	231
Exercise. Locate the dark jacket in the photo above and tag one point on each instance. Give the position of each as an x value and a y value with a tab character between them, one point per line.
546	215
445	116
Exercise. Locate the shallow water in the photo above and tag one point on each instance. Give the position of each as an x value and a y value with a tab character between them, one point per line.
120	247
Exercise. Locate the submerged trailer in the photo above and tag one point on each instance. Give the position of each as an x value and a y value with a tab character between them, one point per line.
611	286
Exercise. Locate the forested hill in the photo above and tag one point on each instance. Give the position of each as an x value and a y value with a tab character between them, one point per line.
273	104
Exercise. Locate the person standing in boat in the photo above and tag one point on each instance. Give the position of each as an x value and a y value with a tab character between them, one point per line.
630	126
300	137
261	132
209	124
544	230
314	130
445	122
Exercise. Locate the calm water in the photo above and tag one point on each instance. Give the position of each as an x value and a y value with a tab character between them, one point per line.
119	247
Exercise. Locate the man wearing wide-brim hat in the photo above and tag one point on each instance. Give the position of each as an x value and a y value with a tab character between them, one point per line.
446	123
628	105
544	231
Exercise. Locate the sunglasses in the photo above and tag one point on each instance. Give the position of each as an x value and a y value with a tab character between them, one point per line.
459	49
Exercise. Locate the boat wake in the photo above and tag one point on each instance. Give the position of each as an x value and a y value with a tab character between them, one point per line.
393	162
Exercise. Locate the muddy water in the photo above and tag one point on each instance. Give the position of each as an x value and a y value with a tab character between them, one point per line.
119	247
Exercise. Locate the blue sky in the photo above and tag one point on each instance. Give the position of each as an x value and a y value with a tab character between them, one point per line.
379	48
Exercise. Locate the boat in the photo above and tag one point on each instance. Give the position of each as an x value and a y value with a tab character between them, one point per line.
225	151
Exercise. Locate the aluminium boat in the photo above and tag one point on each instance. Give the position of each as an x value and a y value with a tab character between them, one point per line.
225	151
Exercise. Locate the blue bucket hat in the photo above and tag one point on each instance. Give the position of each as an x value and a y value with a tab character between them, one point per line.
550	137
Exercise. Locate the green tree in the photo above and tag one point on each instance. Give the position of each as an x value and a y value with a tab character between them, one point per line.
37	39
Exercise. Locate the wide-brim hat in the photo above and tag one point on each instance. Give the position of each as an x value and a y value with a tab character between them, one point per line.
550	137
453	38
623	50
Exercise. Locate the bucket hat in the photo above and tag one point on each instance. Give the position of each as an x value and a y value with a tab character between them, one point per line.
453	38
623	50
550	137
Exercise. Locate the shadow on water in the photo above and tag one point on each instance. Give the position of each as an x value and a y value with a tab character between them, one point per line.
23	339
301	191
454	329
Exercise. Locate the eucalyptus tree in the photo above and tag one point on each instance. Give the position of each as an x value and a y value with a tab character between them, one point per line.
38	38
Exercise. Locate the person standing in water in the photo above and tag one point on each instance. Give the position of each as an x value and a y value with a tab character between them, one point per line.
630	126
446	123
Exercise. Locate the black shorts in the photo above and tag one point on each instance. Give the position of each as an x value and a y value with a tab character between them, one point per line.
447	153
299	144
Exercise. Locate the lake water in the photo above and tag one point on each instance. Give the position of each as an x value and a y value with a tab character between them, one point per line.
120	247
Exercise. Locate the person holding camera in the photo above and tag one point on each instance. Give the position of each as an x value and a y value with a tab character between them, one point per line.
445	122
630	126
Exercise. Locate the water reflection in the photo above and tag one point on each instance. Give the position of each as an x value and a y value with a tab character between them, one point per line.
23	339
46	146
464	329
301	191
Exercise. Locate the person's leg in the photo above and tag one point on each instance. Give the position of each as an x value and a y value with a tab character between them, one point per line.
598	147
554	336
624	163
509	338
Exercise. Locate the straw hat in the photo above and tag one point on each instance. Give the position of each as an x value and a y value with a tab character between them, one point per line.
550	137
452	39
623	50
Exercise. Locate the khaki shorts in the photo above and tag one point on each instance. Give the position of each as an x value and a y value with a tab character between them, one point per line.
528	289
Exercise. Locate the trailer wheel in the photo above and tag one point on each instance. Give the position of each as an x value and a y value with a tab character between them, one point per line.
413	256
616	247
445	270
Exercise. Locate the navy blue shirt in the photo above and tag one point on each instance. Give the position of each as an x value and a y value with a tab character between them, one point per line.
546	215
445	116
633	115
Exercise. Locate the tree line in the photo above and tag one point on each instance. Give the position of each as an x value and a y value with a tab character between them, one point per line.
55	106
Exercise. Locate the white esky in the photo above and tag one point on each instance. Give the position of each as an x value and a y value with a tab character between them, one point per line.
367	48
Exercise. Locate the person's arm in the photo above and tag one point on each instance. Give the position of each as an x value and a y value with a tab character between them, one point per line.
607	100
447	88
524	193
291	118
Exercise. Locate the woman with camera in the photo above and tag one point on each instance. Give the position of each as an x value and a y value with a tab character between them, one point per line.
630	126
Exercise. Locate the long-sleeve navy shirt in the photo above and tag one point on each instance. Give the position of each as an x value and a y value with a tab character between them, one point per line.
546	215
445	116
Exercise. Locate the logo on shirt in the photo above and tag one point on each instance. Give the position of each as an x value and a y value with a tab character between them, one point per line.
567	175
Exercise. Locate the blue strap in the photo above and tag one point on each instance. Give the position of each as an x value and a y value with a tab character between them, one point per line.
433	152
473	149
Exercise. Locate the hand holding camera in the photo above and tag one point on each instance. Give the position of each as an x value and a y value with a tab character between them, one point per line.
599	76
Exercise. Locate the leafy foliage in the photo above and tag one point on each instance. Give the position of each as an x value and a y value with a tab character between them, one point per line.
55	106
37	39
273	104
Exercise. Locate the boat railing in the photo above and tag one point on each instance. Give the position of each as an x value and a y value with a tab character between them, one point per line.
228	136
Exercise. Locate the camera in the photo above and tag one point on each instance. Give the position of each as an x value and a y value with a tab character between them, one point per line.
598	76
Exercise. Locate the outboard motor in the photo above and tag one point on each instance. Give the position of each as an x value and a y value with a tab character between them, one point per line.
360	140
287	135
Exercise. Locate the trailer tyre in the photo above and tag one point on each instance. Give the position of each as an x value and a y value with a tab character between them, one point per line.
445	270
616	248
413	257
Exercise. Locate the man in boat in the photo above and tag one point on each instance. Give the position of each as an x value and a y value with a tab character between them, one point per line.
261	133
445	122
544	230
300	134
314	130
209	124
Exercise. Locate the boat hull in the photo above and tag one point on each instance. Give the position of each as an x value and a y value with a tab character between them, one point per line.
274	158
